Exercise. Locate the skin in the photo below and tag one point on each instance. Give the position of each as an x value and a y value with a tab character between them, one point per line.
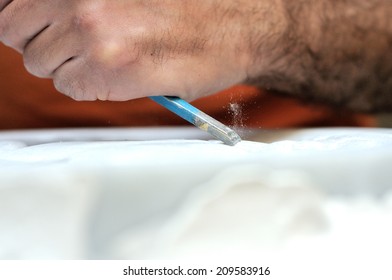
336	52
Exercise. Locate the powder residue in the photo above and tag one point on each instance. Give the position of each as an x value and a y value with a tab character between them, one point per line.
236	112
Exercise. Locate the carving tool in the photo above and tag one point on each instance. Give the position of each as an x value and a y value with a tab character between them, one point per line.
198	118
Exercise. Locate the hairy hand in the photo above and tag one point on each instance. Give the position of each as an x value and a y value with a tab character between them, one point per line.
327	51
125	49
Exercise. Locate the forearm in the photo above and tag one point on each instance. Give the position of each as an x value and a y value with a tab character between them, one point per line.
339	52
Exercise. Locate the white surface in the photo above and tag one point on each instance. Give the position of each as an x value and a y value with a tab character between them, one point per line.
65	194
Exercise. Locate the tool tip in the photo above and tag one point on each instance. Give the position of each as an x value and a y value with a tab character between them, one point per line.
219	131
232	138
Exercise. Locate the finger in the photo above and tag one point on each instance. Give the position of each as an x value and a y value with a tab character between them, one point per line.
76	79
85	81
22	20
4	3
50	49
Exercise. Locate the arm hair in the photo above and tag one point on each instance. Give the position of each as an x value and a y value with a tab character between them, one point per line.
337	52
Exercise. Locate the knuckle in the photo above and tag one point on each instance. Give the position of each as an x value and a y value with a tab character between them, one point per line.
113	53
108	53
35	63
8	34
88	15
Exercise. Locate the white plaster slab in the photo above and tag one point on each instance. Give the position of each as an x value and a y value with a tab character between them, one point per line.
112	194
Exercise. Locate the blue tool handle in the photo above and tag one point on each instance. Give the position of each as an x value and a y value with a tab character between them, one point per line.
198	118
178	106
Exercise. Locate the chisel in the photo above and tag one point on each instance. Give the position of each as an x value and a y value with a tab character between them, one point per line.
198	118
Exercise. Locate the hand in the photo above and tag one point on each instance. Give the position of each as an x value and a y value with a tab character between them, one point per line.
125	49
